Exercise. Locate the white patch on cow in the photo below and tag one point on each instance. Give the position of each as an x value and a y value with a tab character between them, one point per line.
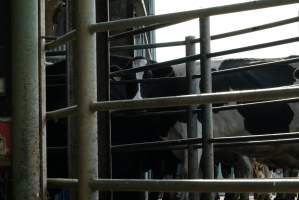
180	70
139	75
229	123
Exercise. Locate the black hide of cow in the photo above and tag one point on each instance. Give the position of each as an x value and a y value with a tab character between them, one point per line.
125	128
258	119
275	117
129	127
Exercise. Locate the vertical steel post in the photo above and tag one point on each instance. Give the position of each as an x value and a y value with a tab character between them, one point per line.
207	113
25	94
193	154
87	93
42	102
103	57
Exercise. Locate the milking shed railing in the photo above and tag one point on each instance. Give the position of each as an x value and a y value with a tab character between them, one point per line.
87	106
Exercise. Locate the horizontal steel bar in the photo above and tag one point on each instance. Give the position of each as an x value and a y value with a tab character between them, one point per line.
187	15
139	31
254	66
147	46
61	40
226	71
147	80
234	145
231	145
198	110
255	28
198	185
65	112
197	56
213	37
146	146
253	47
156	65
60	113
218	142
250	138
55	183
199	99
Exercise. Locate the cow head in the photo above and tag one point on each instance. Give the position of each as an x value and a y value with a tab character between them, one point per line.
121	91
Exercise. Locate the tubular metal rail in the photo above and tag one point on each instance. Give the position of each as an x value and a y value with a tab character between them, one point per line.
186	100
88	182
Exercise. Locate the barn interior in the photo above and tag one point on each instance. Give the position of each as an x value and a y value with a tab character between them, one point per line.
59	78
58	140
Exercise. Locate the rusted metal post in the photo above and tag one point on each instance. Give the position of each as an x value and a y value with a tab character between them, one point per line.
25	95
207	112
87	93
103	60
193	154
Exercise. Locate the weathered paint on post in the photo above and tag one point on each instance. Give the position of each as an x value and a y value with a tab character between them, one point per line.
193	156
207	112
87	93
26	153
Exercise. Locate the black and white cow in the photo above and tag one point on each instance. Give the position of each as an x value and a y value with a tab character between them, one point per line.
127	127
124	130
257	119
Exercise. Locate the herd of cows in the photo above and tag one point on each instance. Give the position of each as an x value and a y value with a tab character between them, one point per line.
135	126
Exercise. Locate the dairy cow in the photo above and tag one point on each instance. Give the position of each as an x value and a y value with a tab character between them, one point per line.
279	117
124	130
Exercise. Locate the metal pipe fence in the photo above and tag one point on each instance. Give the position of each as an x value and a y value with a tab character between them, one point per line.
192	129
198	56
218	142
87	92
198	99
88	181
187	15
213	37
224	185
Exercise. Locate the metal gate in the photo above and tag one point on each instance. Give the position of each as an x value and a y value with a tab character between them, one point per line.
30	117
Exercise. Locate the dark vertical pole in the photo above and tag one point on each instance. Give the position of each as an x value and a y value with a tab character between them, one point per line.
42	102
72	96
103	60
206	87
87	94
26	152
193	156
